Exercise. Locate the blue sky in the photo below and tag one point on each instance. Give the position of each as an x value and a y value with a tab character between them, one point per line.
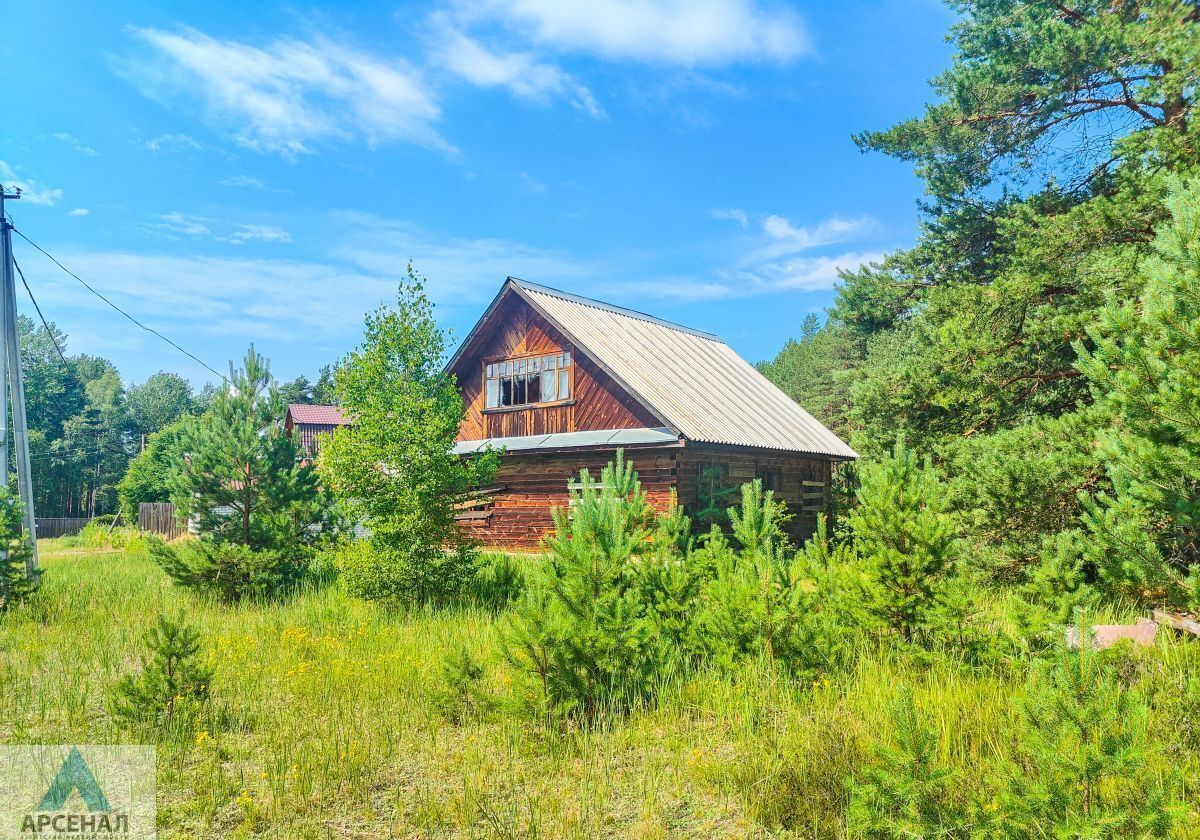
242	172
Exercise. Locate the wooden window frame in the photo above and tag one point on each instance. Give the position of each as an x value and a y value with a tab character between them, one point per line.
501	409
776	474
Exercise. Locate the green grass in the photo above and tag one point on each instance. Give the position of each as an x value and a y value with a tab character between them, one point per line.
329	720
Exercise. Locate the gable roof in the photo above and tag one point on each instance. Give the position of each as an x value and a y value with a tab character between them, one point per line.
318	415
694	382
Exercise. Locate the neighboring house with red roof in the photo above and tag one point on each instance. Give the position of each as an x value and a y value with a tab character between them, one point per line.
306	423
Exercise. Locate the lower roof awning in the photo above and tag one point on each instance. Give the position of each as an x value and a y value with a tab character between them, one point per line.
569	440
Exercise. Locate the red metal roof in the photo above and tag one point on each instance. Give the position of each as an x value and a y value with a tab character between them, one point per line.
321	415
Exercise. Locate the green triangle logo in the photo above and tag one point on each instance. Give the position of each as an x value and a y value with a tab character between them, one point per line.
74	775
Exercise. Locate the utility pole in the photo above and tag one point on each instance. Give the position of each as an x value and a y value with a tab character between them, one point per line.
13	383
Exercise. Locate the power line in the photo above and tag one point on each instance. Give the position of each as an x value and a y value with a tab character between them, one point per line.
84	283
49	331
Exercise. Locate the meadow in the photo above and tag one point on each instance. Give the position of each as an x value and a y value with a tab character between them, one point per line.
332	717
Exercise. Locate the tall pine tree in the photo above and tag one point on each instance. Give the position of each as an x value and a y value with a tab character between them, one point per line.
1145	373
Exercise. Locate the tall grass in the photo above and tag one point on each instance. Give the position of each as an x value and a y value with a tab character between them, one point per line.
329	720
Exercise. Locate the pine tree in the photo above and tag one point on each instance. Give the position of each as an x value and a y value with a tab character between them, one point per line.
752	587
905	534
712	495
257	504
583	628
172	683
798	610
904	794
1081	769
759	523
1145	370
238	456
825	594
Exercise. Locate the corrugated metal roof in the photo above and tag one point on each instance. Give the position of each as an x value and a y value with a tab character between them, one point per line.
321	415
567	440
694	381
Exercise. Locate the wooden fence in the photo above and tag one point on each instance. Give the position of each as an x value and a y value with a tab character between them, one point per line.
60	526
159	518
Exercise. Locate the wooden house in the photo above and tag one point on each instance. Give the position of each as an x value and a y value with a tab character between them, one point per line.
307	423
560	382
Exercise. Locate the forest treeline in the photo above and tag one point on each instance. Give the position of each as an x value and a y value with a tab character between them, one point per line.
86	424
1039	339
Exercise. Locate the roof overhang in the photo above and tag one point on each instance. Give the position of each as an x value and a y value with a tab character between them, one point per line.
606	439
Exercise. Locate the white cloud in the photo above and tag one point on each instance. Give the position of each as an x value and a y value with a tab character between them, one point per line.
782	238
732	214
686	32
687	289
250	182
243	181
176	224
521	73
202	295
32	191
774	258
460	270
173	143
532	184
215	305
183	224
778	258
258	233
75	144
79	212
203	300
288	94
807	274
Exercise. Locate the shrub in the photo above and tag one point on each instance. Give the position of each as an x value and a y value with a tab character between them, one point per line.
15	586
99	533
463	696
375	570
172	684
229	571
799	609
498	581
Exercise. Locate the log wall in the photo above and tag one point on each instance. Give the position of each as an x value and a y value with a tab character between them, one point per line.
803	481
532	483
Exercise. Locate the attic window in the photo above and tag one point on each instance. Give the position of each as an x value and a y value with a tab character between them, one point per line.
529	380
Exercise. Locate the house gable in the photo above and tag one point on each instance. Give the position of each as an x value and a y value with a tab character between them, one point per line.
511	328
